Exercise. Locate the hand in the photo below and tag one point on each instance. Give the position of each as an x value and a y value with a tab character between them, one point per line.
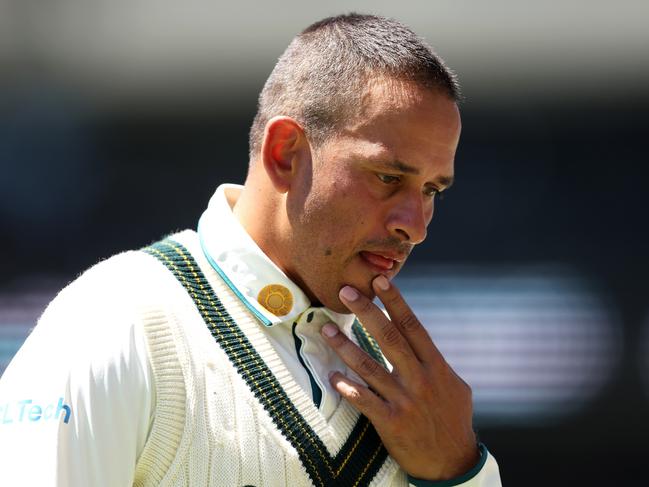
422	409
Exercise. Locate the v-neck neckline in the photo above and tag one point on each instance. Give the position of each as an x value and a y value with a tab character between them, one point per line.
345	450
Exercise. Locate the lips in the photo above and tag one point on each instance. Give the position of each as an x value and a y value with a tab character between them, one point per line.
381	261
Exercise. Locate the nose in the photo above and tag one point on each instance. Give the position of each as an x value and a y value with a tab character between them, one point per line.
409	218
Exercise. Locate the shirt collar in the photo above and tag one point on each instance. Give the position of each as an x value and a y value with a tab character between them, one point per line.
249	272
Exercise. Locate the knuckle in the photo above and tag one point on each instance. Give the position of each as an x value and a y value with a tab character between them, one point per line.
422	383
450	376
366	306
355	395
361	400
391	336
407	407
394	298
467	390
462	388
368	367
409	322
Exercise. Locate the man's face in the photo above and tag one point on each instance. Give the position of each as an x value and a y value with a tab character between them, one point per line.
368	196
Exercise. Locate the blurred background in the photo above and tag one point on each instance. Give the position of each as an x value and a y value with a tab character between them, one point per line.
119	119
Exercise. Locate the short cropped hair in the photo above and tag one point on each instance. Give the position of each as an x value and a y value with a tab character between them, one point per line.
319	79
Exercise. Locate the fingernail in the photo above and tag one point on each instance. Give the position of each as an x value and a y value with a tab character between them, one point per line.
330	330
349	293
382	283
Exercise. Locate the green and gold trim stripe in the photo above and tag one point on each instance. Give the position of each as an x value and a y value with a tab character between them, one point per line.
368	343
361	456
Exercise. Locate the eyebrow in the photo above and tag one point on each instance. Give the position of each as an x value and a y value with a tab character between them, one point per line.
445	181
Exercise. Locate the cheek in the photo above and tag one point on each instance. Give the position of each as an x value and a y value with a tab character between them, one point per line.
338	215
329	203
429	214
335	229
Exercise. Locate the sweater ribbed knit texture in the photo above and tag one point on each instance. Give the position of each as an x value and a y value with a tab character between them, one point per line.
209	428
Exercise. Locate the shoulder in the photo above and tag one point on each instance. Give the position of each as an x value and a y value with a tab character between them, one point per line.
96	322
118	286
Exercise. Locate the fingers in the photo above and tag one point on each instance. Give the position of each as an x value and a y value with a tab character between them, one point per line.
393	344
402	315
363	364
360	397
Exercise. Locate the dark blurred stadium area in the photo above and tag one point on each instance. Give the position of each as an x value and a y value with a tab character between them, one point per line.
118	120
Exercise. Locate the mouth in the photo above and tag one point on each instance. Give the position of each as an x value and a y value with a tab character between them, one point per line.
382	261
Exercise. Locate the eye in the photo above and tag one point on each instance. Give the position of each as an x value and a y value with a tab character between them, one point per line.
388	179
430	191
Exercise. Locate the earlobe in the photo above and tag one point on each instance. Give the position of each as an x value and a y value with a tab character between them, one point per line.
283	146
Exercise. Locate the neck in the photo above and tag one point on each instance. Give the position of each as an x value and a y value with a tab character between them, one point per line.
260	210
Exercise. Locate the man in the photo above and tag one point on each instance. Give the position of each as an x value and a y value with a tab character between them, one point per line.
232	355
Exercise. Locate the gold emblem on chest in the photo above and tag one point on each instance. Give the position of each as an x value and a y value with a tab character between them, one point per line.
276	298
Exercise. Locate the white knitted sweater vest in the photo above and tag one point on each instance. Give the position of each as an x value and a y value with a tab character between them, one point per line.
214	427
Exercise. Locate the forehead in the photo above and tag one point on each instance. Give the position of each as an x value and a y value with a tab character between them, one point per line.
388	99
413	124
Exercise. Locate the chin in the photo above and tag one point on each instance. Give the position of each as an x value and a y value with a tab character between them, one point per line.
339	307
367	290
334	303
364	287
361	276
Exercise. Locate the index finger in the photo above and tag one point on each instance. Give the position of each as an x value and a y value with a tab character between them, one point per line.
393	344
402	315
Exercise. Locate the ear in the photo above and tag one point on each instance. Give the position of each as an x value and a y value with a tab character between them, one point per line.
284	145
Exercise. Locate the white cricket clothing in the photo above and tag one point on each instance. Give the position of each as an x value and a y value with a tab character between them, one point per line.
90	399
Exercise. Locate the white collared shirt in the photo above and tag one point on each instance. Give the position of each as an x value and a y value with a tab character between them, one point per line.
247	270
